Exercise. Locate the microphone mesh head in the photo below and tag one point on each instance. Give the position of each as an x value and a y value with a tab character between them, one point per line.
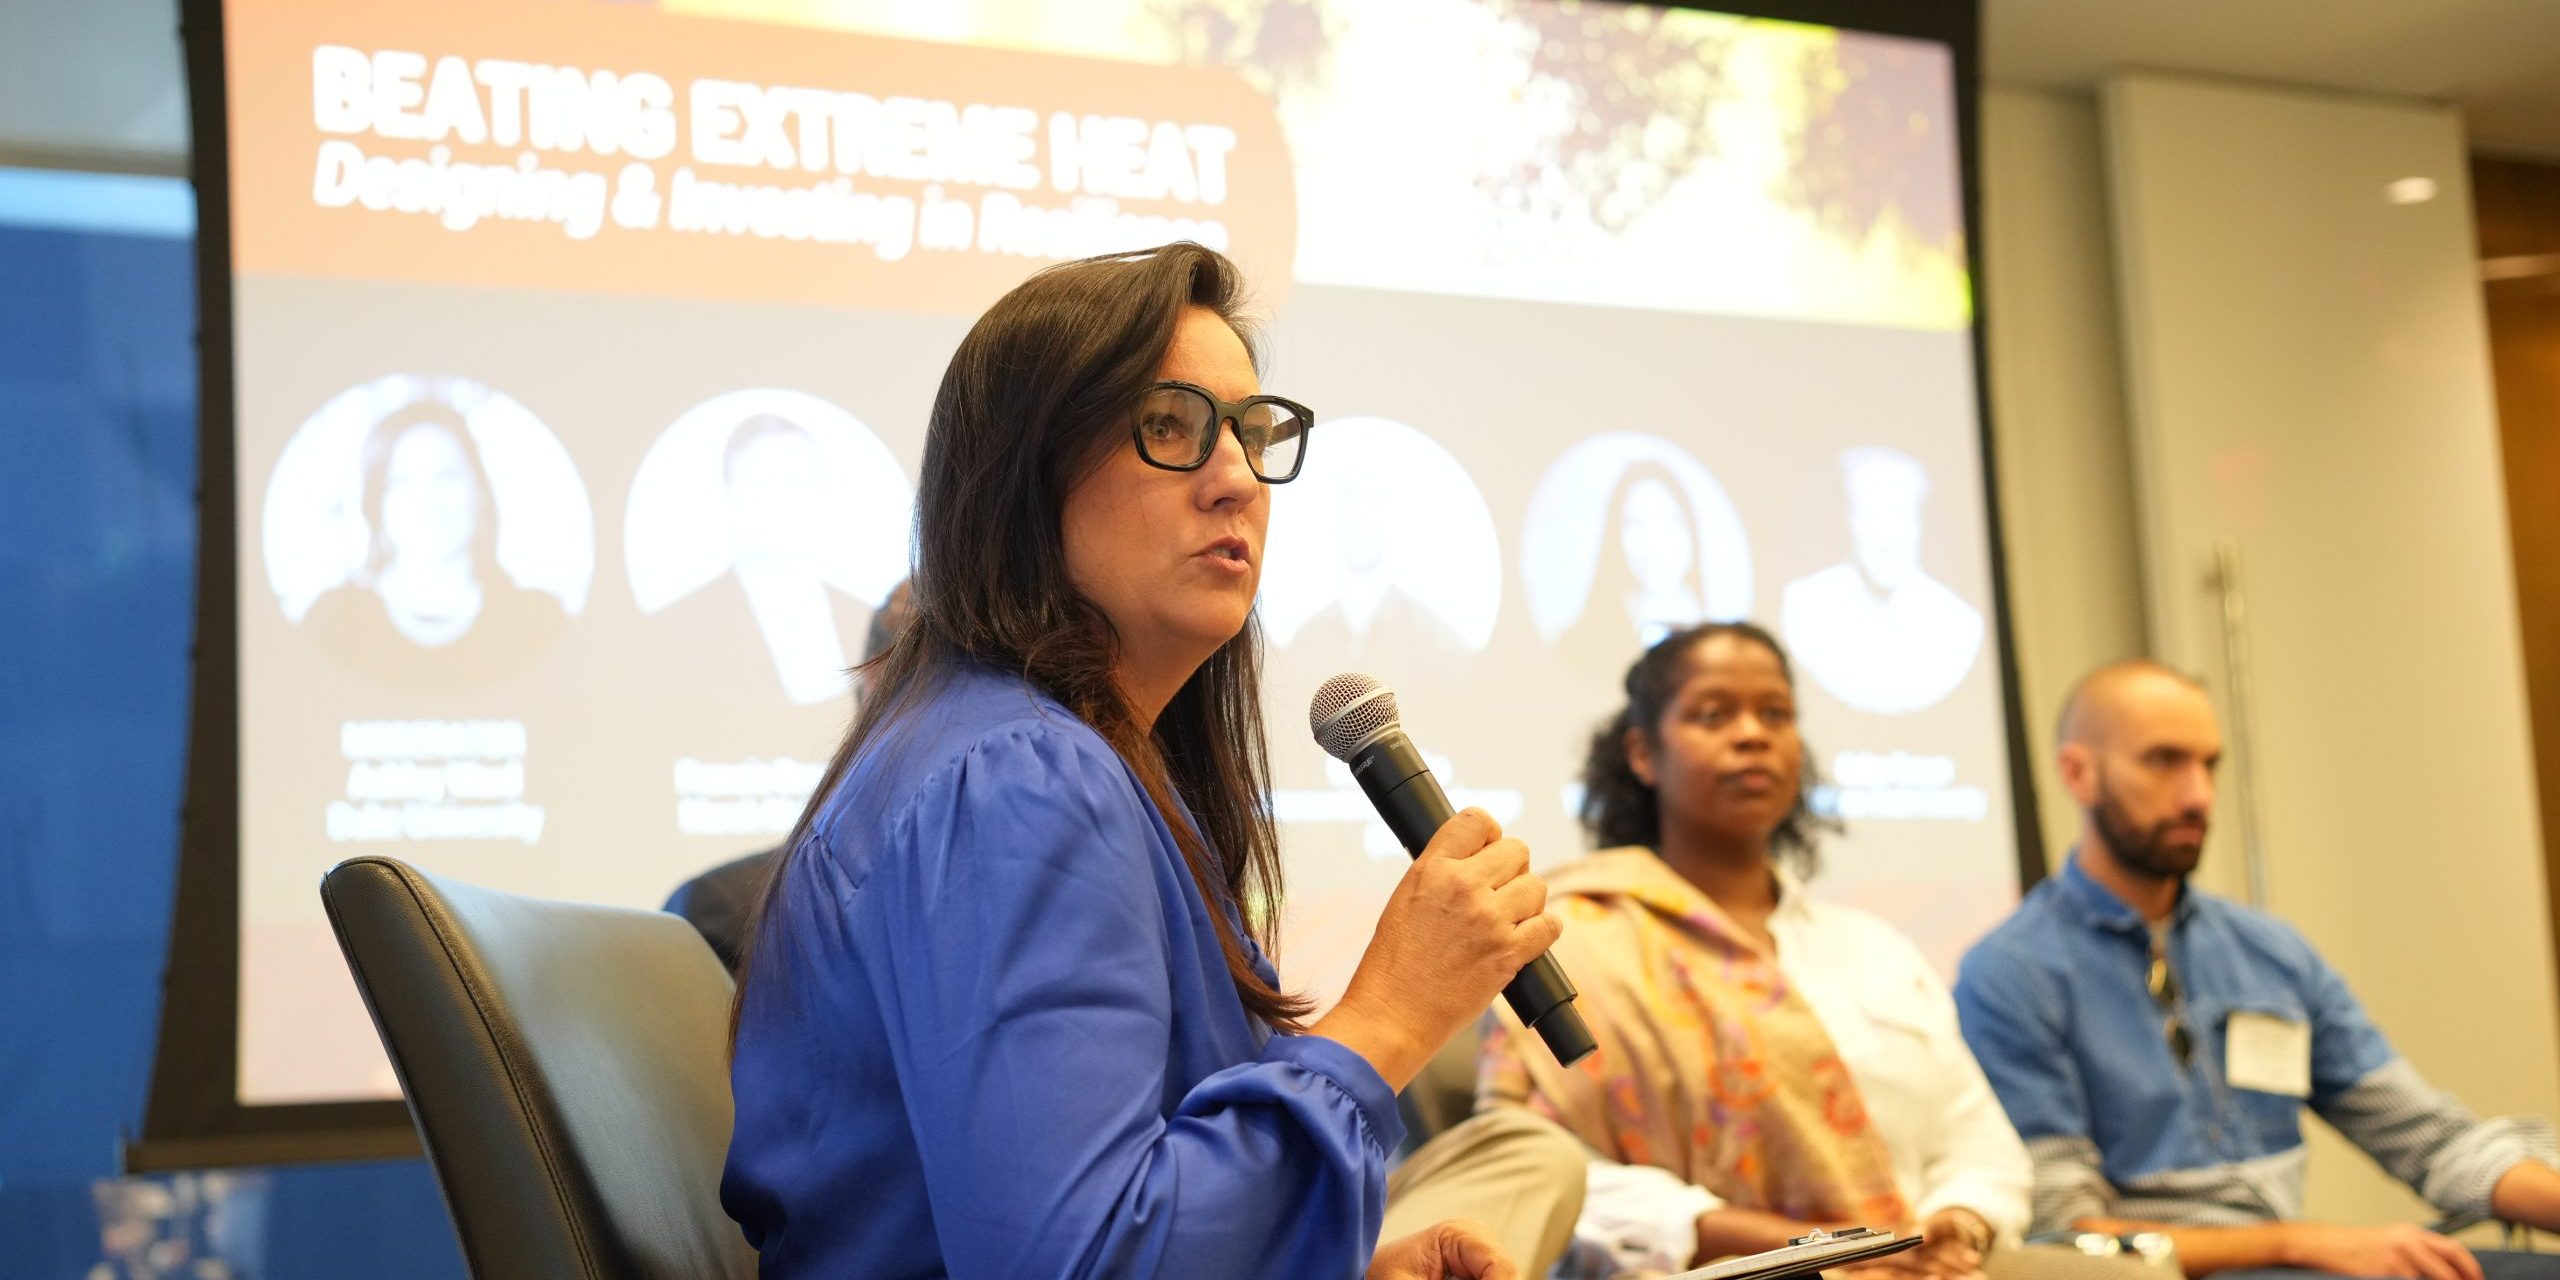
1349	712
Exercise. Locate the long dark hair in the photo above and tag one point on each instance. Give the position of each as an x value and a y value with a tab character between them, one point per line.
1037	396
1618	808
378	445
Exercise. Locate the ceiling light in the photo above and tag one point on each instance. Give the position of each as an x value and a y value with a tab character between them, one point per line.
2410	191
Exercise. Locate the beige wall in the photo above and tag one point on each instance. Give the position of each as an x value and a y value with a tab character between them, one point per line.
2308	369
2057	412
2311	385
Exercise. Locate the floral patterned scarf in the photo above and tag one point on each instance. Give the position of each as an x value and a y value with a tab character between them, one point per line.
1711	1065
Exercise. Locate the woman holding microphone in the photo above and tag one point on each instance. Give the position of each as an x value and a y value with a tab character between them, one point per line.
1006	1010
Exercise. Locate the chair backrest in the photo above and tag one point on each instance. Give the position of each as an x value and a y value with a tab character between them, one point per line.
566	1066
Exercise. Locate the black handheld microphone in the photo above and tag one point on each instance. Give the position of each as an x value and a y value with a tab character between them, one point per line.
1354	717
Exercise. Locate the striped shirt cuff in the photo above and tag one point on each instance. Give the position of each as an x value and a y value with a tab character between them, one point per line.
2069	1183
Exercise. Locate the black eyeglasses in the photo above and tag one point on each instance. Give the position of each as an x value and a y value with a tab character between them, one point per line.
1176	428
2163	982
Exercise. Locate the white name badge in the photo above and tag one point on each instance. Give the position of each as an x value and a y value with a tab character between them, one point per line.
2267	1053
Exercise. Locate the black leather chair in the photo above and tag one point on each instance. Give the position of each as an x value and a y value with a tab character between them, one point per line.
566	1066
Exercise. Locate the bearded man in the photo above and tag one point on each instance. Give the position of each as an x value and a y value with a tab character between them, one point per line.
2155	1046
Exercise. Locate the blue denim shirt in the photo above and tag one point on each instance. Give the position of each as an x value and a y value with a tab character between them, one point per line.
2055	1005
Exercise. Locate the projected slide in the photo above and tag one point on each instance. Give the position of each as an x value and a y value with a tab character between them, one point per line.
584	352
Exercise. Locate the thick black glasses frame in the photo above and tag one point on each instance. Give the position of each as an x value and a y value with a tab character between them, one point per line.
1229	414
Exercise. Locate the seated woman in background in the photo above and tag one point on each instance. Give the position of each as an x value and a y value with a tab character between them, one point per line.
1004	1011
1769	1064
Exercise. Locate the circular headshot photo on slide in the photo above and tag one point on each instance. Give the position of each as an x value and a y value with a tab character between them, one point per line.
1383	544
1628	538
1876	630
428	531
774	522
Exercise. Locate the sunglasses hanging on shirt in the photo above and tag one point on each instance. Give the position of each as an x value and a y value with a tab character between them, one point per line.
2165	992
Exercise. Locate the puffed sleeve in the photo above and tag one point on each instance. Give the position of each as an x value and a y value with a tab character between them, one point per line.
1038	929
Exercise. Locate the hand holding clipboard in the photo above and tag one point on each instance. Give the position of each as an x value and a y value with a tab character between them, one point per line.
1806	1255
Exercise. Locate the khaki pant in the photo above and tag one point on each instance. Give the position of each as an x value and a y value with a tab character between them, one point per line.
2062	1262
1508	1169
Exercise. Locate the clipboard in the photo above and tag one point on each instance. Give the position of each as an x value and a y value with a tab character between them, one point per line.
1806	1255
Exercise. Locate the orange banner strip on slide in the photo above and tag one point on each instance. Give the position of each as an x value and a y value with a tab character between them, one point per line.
620	150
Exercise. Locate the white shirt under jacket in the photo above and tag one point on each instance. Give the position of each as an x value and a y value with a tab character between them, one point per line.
1894	1024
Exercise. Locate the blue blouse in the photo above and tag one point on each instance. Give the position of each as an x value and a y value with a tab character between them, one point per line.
988	1032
